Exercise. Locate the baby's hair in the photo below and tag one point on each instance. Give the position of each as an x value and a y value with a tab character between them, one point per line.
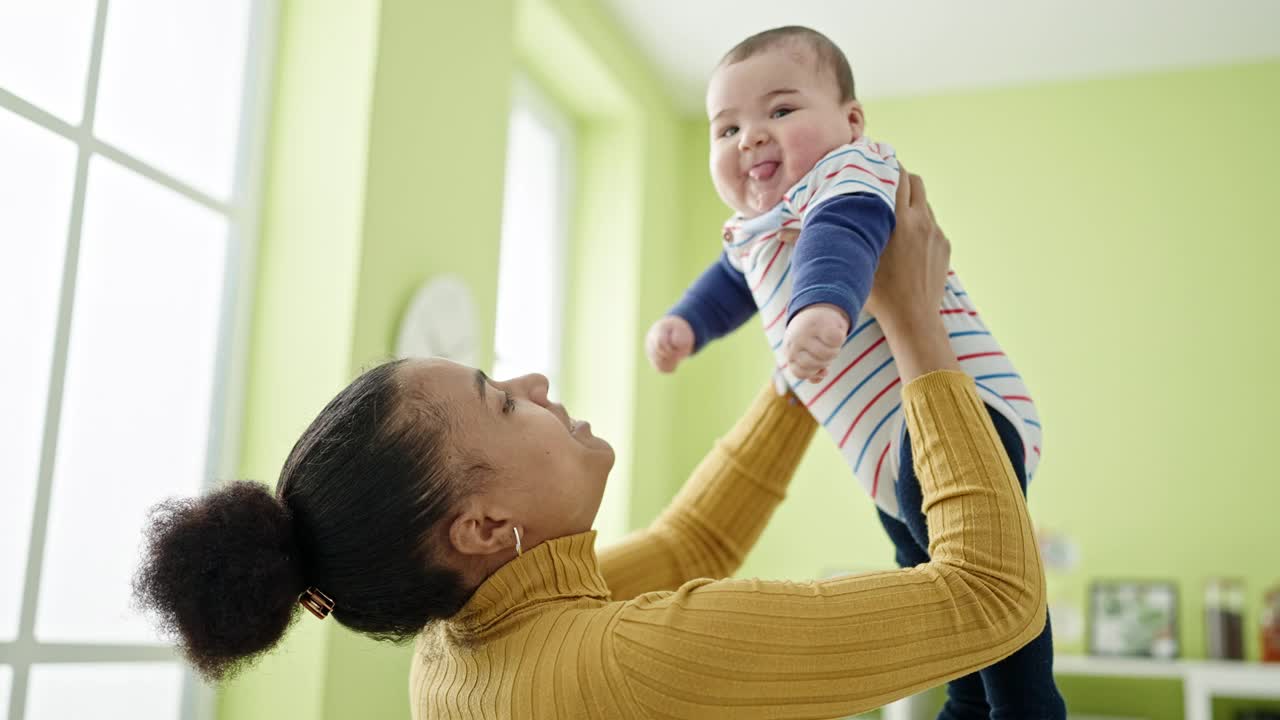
829	54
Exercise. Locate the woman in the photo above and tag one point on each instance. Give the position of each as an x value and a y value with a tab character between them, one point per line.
428	500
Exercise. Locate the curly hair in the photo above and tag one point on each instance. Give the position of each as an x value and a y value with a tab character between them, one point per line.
352	514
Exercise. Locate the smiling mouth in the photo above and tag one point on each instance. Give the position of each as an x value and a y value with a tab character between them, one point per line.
763	170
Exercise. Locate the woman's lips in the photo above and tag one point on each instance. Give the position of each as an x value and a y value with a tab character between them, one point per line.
764	170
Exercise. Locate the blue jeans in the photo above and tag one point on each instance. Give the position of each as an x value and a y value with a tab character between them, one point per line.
1021	686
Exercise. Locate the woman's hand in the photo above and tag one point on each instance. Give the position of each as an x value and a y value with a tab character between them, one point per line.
913	267
909	282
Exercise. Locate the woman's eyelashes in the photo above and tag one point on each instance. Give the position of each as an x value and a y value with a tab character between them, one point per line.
508	403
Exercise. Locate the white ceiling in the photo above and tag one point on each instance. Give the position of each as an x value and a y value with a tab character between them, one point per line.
913	47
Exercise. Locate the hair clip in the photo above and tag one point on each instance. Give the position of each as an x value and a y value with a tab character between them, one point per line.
317	602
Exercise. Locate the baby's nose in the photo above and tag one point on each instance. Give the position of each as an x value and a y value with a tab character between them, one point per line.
753	137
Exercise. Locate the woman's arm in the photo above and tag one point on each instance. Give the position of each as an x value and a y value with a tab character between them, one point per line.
757	649
908	287
717	517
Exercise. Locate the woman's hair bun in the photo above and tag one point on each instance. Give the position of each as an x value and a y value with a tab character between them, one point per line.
221	573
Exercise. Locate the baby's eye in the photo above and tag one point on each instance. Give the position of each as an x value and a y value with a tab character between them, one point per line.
729	131
781	112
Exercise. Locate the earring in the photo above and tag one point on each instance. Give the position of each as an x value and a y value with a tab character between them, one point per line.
519	545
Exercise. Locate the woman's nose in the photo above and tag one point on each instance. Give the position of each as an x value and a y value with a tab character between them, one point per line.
535	386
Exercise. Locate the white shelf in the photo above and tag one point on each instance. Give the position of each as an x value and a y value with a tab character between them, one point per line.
1173	669
1119	667
1201	679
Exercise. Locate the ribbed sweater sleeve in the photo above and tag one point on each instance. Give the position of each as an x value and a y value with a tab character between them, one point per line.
760	649
720	512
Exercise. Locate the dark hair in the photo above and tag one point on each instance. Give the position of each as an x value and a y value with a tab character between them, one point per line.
829	54
351	516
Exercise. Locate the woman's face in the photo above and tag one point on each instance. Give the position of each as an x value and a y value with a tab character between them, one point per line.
549	471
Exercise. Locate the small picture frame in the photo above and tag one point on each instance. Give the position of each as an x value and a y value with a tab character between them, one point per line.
1134	618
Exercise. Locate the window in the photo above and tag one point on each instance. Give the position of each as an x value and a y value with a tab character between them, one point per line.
535	227
129	133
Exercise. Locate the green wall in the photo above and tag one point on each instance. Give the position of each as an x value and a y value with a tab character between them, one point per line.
624	252
437	148
385	168
1131	213
303	295
1120	237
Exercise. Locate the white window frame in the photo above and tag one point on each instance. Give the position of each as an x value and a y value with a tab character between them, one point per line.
527	96
242	212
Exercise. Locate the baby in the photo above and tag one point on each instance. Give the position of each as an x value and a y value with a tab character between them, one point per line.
814	207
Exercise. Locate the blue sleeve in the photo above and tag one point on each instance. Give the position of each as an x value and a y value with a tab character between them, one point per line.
837	253
717	303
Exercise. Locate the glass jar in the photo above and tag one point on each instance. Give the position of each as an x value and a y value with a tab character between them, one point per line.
1271	625
1224	619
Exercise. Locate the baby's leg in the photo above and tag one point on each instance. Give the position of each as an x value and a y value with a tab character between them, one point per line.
907	552
1021	686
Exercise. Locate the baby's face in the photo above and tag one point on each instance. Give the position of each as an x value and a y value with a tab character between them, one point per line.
773	116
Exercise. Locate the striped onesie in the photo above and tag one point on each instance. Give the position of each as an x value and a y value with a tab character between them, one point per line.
857	402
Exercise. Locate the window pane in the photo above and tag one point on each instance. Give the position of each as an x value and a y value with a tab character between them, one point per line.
170	86
138	691
44	53
527	332
6	682
37	170
135	416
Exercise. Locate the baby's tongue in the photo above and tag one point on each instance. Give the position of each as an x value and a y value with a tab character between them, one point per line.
763	171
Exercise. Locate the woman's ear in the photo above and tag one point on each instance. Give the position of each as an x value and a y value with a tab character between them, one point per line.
481	529
857	119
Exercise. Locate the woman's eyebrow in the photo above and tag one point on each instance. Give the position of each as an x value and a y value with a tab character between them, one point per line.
482	384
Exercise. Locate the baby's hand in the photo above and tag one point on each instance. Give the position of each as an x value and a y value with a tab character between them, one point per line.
669	341
814	337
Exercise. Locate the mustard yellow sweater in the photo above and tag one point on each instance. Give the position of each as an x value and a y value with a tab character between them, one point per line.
562	632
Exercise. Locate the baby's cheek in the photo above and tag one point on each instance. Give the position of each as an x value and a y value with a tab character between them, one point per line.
724	183
807	145
724	166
